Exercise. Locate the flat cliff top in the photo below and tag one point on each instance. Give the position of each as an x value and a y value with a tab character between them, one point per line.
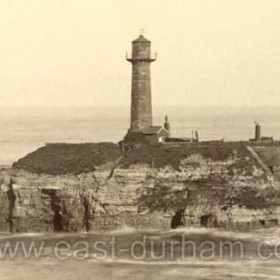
161	155
270	154
271	157
57	159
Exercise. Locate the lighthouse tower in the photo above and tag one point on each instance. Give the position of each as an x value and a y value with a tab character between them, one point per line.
141	99
141	128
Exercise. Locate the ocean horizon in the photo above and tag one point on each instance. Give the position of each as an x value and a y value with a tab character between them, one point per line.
25	129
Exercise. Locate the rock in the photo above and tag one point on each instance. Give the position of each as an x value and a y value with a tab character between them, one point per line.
232	192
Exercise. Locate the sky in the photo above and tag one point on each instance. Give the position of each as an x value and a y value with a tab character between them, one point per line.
72	52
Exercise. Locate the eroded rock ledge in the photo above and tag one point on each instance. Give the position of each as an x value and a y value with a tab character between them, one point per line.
152	187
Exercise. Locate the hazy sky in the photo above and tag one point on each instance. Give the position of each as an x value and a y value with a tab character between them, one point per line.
72	52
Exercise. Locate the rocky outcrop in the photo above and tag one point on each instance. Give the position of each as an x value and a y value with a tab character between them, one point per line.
234	192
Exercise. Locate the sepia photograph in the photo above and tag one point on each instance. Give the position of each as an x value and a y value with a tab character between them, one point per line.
139	139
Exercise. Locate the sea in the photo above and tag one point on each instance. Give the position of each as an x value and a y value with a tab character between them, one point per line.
188	253
25	129
195	254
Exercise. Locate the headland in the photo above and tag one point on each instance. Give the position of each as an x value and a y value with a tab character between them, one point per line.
149	180
99	187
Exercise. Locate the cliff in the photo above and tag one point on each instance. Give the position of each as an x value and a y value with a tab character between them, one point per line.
210	184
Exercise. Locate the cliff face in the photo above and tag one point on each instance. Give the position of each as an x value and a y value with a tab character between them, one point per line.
233	192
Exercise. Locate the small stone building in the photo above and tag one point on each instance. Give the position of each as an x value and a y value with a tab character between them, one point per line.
155	134
150	135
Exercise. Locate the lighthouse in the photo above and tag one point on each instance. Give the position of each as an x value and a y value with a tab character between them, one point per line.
141	119
141	96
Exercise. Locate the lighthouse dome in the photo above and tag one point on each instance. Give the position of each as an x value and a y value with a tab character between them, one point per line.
141	38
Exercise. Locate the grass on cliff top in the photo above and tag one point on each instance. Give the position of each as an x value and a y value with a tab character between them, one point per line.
270	155
56	159
161	155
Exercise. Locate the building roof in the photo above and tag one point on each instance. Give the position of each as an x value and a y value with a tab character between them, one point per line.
141	38
132	136
154	130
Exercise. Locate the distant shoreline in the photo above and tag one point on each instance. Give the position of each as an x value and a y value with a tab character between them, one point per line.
4	166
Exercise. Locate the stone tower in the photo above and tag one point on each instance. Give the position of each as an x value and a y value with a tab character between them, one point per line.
141	99
257	132
166	125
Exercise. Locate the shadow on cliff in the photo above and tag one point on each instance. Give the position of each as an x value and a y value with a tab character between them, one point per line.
55	207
